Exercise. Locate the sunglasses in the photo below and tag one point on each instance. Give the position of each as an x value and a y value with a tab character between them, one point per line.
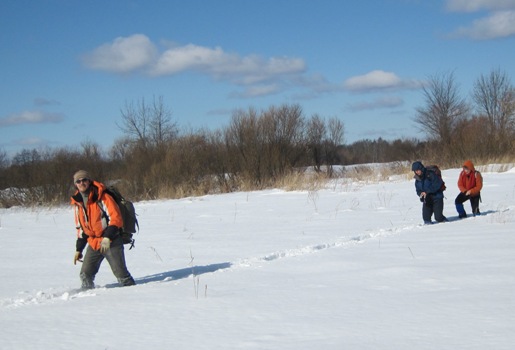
81	180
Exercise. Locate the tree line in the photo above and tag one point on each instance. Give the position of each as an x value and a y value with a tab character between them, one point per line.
260	148
482	129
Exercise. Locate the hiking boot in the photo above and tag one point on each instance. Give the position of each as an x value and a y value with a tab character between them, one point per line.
126	282
86	282
461	211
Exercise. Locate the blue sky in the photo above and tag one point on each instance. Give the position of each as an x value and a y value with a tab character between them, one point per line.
69	67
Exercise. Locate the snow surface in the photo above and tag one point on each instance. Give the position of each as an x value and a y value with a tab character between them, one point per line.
345	267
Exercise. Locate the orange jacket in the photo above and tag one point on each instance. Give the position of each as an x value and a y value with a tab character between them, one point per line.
472	181
93	221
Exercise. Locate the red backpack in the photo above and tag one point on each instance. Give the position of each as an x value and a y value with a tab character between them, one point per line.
436	170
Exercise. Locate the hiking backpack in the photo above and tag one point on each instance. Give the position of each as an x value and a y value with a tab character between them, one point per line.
436	170
130	222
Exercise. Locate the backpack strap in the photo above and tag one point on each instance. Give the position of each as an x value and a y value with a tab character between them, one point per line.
476	173
105	217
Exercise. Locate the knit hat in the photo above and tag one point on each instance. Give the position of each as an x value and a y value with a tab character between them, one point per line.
81	174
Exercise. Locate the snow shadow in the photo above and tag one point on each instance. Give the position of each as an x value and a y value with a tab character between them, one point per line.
483	213
183	273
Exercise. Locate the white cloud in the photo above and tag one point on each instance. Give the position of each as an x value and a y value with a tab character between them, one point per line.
378	80
498	25
138	53
31	117
122	55
499	22
218	64
189	57
477	5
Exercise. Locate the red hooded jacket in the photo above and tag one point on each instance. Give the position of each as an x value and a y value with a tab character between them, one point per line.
472	181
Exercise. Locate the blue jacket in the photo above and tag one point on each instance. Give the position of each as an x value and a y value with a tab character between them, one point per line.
428	182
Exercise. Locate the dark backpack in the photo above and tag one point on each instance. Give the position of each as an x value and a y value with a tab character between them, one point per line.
436	170
130	222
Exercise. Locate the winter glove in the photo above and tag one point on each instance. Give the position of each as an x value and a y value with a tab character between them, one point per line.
105	245
77	257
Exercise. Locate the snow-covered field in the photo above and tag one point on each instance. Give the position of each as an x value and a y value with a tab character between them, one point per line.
345	267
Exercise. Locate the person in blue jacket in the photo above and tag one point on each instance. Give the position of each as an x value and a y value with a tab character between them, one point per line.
429	189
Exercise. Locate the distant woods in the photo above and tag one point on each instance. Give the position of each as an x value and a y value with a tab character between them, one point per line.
481	129
260	148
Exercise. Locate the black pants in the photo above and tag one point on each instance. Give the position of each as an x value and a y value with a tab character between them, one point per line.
433	206
474	203
116	259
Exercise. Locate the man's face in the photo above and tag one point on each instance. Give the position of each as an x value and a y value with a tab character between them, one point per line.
418	172
466	169
82	184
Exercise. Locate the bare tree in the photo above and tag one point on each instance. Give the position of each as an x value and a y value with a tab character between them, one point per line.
336	130
323	139
494	96
135	121
4	165
316	131
162	128
91	150
245	143
443	109
283	128
148	125
4	159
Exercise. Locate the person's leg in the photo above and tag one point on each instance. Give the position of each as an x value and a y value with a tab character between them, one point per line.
427	212
438	210
474	203
116	258
460	199
90	266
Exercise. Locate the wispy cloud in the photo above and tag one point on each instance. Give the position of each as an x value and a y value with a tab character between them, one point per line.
255	75
499	22
31	117
477	5
382	102
215	62
31	141
137	53
497	25
258	90
315	85
39	101
378	80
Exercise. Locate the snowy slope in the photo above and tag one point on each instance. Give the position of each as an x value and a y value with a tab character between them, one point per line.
346	267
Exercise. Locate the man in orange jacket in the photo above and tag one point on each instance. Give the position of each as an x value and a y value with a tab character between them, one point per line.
470	184
98	222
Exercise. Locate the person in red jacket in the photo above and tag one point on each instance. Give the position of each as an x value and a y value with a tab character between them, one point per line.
98	222
470	184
